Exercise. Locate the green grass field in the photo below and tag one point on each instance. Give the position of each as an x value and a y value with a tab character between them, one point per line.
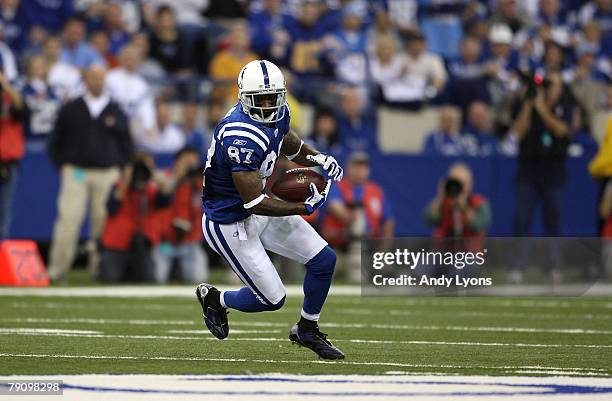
490	336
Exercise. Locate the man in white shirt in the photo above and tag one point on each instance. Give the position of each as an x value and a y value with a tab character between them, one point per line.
126	87
64	79
169	137
423	66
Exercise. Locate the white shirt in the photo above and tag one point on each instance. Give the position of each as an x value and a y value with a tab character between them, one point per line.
134	96
427	65
170	139
65	80
96	105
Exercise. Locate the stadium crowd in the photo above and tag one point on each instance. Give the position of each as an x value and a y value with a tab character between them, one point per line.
171	67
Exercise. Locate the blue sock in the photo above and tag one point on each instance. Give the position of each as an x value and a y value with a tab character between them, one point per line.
319	272
246	301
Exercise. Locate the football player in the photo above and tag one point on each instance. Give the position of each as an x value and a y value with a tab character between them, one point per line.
240	222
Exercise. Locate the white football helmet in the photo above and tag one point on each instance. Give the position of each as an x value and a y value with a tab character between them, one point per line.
258	82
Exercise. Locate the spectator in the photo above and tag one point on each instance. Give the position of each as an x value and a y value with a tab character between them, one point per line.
477	135
115	28
467	81
266	25
301	50
507	12
389	72
41	100
15	26
169	137
227	64
149	68
51	15
64	79
90	141
76	50
133	228
446	140
586	82
132	92
356	124
347	47
166	43
193	131
457	211
8	65
553	15
325	136
426	70
503	64
543	125
34	44
99	42
357	209
554	59
182	229
382	26
215	110
13	111
599	11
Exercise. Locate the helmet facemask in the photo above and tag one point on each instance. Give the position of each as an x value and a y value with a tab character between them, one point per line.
264	105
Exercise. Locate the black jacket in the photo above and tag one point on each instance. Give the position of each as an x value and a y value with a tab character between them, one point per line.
81	140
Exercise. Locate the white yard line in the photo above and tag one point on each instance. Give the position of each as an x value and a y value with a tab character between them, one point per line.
327	324
282	361
276	339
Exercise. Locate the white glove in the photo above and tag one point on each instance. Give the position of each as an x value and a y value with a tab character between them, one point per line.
330	165
315	200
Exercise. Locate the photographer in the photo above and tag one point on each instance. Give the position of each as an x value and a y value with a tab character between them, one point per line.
133	228
542	125
182	232
357	209
13	112
456	211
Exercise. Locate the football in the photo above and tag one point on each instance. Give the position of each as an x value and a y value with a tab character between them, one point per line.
294	185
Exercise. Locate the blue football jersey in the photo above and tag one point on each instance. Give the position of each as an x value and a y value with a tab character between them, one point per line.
239	143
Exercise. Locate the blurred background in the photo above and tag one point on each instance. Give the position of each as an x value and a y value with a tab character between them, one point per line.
453	118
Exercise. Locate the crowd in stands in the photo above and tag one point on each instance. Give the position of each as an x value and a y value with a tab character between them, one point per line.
407	54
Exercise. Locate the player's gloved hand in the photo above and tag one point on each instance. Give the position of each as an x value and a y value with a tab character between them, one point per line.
329	164
315	200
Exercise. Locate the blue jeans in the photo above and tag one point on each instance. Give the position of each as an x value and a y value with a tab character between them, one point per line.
193	262
7	190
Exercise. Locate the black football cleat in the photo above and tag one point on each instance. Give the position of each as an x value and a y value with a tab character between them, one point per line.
215	315
315	341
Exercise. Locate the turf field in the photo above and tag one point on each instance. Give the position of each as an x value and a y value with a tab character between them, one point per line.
162	334
148	343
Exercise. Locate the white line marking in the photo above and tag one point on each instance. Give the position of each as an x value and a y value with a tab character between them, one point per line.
276	339
41	331
277	361
328	324
234	331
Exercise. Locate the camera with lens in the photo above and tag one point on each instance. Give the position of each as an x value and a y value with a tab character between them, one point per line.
532	81
452	188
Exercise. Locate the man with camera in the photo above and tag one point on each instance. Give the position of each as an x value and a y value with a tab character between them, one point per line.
181	231
542	125
456	211
133	228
